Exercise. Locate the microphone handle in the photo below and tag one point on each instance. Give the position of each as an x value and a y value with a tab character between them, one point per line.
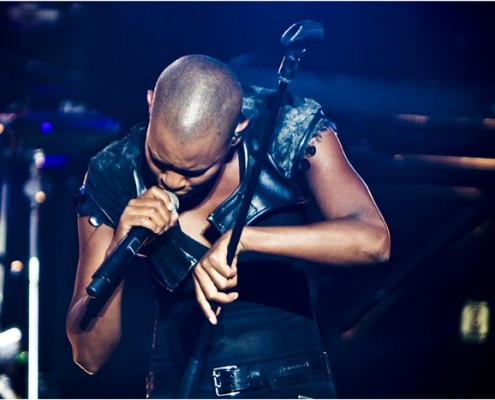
111	270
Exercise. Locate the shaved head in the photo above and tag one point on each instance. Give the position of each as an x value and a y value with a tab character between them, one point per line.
195	96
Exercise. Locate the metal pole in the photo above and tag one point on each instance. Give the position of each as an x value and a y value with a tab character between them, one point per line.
33	189
4	195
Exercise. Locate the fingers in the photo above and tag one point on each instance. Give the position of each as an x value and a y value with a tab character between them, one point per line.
214	266
207	293
153	210
213	278
149	213
163	198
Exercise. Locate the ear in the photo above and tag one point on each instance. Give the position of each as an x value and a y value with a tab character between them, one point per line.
237	136
149	98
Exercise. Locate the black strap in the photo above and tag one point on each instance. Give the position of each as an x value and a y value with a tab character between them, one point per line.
233	379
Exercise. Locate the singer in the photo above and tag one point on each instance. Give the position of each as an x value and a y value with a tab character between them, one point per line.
199	144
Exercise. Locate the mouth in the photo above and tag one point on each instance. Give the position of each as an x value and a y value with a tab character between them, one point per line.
179	193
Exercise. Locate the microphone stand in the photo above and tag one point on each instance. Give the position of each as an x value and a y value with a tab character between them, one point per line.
296	39
34	190
4	199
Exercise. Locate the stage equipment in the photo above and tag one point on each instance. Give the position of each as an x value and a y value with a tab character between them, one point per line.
37	140
474	326
71	130
35	193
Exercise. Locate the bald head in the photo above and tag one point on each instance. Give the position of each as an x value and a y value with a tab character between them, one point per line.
197	95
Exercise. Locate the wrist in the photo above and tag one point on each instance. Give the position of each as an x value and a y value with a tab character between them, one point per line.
247	239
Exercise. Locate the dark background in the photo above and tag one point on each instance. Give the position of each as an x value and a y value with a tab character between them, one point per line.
392	331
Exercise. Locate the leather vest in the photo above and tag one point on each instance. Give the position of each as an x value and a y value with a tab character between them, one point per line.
280	183
114	177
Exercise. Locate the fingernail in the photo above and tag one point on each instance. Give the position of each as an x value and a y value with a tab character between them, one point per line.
213	320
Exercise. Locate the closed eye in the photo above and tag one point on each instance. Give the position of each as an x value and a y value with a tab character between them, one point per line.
187	173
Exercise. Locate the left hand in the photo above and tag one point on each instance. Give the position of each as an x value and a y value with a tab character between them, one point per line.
213	277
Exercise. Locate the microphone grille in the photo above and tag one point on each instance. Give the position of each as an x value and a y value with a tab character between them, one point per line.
174	199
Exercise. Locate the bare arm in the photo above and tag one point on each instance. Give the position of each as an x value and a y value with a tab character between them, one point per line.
353	230
93	346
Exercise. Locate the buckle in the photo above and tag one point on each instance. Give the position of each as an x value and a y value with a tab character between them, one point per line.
227	372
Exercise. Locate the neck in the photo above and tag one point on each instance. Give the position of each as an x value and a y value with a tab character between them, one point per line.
194	221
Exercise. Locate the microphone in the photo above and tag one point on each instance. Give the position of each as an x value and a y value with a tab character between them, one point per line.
110	272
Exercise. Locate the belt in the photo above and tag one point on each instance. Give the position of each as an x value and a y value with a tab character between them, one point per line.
233	379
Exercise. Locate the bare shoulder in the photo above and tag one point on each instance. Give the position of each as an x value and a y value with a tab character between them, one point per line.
326	156
337	187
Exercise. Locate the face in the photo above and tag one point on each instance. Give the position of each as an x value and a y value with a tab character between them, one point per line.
185	168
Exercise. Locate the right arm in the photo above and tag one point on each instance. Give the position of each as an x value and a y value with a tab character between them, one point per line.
93	346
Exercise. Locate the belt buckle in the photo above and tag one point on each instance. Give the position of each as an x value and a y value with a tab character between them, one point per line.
217	379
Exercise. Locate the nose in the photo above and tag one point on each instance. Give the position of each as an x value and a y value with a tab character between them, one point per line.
173	181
